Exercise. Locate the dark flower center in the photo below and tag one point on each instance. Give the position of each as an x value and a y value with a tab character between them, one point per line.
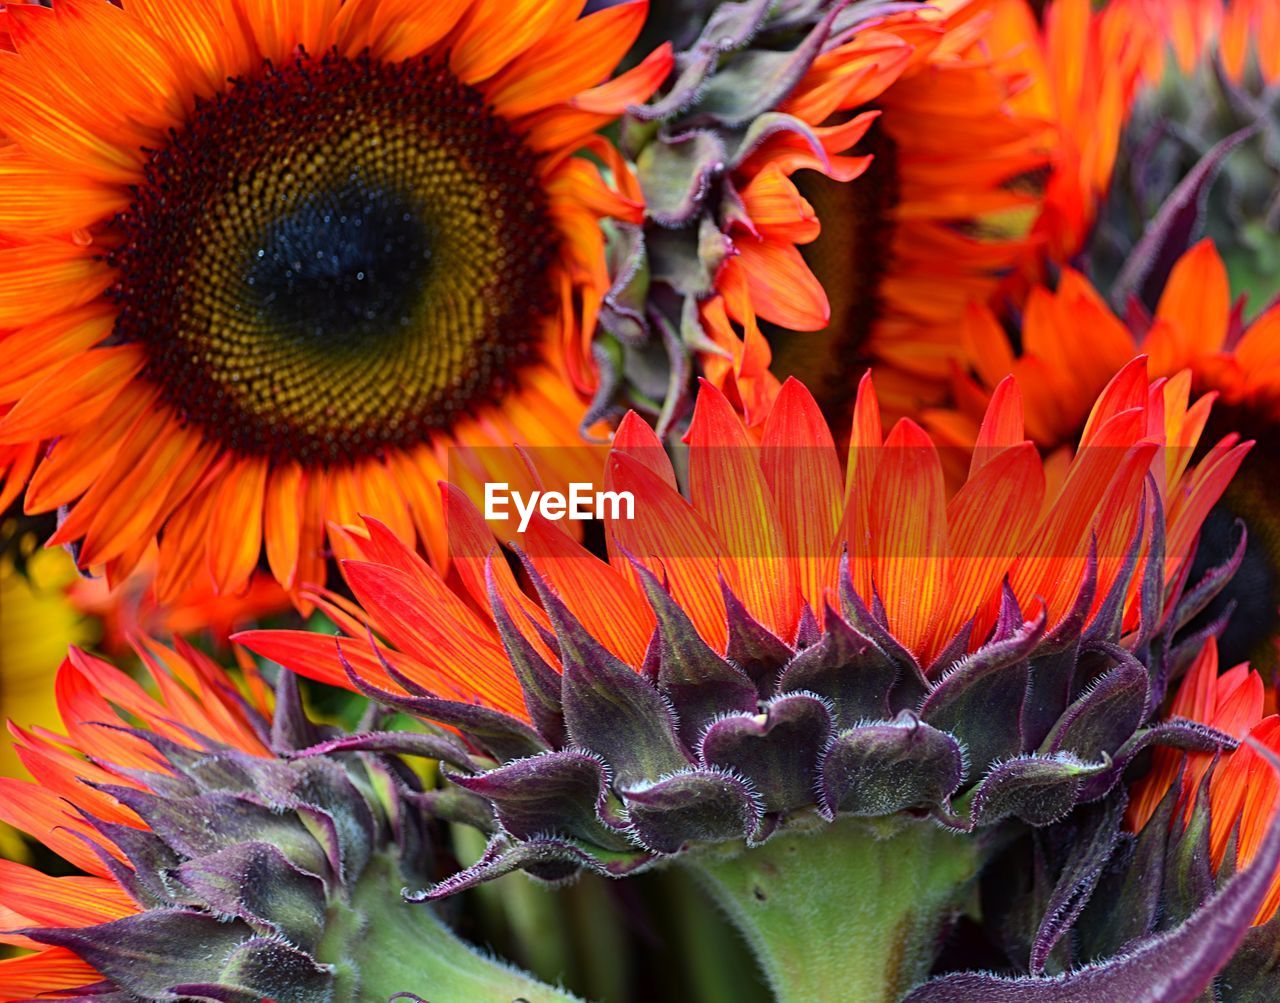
336	257
343	269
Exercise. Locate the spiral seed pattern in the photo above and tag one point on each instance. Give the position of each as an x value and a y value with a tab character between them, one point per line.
335	257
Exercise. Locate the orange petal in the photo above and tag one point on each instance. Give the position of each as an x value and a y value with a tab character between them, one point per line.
783	289
635	85
1053	565
28	353
729	489
34	976
78	459
472	547
986	344
495	32
38	201
798	457
608	605
909	523
16	465
47	818
312	559
45	278
207	37
637	440
670	538
990	519
1002	425
281	521
233	553
158	463
454	653
316	655
66	132
418	474
865	454
1261	800
183	545
777	209
1126	391
72	395
278	27
1196	306
1259	347
582	54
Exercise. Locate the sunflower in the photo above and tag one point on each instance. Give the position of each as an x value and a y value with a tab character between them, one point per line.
225	847
774	531
1195	330
899	249
828	191
796	659
1243	792
1083	69
88	690
271	274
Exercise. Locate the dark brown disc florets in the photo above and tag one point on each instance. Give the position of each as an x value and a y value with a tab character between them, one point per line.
334	257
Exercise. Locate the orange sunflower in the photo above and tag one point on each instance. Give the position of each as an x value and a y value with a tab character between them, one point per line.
1070	345
817	205
1084	68
195	697
270	275
226	848
769	524
791	650
1243	792
874	258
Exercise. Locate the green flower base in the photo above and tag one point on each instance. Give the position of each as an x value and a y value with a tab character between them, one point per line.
848	911
382	945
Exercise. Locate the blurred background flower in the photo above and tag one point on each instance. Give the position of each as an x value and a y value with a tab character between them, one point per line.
1048	227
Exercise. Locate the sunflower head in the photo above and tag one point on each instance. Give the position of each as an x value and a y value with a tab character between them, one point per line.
1196	822
797	221
229	852
1197	338
1174	873
268	280
792	644
386	268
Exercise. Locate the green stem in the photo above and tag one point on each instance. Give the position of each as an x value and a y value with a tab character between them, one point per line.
849	911
381	945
